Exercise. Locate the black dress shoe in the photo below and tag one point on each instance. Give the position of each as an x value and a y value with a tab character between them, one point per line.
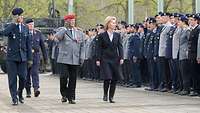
164	90
64	99
135	86
105	98
72	102
149	89
193	93
21	100
15	102
28	95
36	93
177	92
183	93
111	100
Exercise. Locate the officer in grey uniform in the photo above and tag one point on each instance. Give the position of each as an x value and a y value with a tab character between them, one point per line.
162	52
183	55
18	55
70	56
178	84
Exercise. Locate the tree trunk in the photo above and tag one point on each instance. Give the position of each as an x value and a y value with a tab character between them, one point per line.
193	6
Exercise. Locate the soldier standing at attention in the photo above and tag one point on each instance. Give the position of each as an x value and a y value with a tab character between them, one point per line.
33	72
69	56
19	55
192	54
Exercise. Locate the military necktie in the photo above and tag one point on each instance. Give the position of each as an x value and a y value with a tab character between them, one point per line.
71	33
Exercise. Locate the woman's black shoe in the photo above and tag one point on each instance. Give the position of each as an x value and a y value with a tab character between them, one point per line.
72	102
111	100
64	99
105	98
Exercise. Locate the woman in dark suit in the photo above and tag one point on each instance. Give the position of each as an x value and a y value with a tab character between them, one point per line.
109	57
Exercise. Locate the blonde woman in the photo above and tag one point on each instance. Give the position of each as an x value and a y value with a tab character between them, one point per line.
109	57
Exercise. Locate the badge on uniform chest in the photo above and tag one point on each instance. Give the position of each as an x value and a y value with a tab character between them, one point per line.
14	36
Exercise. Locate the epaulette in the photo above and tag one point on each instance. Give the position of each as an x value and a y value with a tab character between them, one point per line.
37	30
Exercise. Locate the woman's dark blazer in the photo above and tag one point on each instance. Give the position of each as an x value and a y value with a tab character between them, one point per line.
109	53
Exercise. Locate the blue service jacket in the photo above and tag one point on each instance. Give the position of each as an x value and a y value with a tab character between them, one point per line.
134	46
19	43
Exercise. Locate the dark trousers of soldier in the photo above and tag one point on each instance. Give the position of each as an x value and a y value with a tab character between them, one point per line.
15	68
179	84
53	66
185	74
144	71
157	72
111	86
84	69
153	74
194	75
173	74
165	74
68	81
33	73
136	73
126	70
90	65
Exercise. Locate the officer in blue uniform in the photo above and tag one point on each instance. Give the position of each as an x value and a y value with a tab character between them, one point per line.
152	29
134	55
37	42
18	55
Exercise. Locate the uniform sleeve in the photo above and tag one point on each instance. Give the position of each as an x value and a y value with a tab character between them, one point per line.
120	47
198	47
98	47
29	47
7	31
82	47
60	34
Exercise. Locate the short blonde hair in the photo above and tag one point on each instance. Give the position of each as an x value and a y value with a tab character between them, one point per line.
107	21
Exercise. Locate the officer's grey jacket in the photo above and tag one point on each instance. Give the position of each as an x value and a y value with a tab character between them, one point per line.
88	47
183	44
175	43
71	48
163	40
125	44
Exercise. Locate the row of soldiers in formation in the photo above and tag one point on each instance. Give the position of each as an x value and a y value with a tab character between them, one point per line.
162	52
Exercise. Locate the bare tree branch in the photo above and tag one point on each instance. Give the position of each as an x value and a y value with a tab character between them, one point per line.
154	1
167	5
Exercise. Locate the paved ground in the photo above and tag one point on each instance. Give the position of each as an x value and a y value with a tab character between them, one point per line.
89	100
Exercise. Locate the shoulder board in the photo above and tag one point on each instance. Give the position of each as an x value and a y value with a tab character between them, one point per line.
198	27
37	30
